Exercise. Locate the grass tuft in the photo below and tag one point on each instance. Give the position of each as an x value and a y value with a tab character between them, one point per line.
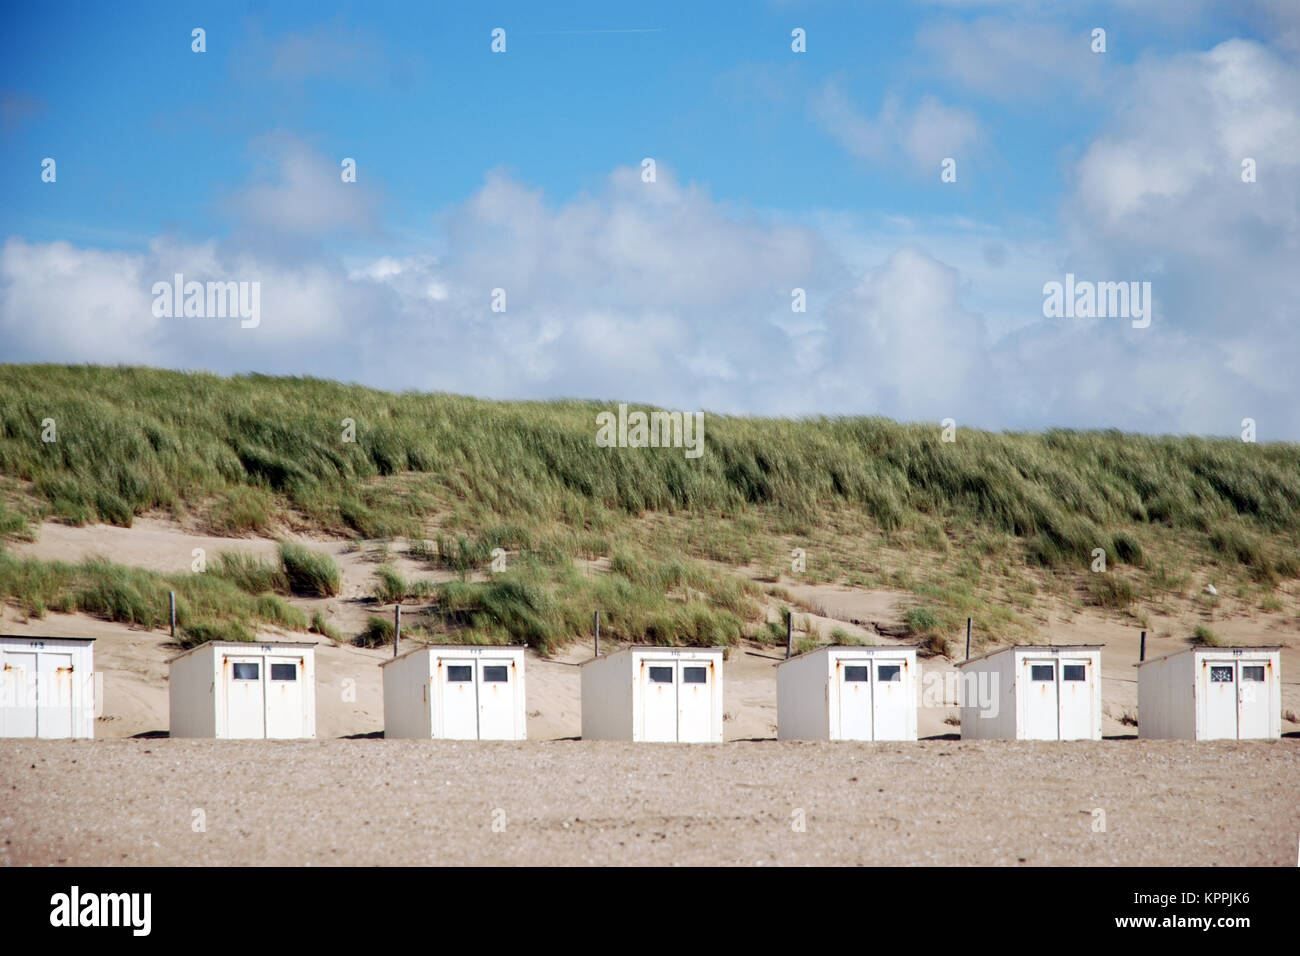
378	632
309	572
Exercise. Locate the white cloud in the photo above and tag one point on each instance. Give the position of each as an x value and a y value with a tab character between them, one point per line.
61	303
921	137
1176	149
647	291
67	304
1014	58
900	343
299	192
1158	196
1160	192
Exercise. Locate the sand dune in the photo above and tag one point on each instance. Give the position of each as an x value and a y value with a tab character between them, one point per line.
133	662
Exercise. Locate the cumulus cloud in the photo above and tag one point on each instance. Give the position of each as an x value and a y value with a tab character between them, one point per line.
61	303
654	290
901	340
1159	195
296	191
650	291
1174	154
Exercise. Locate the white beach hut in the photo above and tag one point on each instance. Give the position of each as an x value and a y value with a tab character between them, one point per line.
244	690
848	693
47	686
1033	692
1211	693
661	694
456	692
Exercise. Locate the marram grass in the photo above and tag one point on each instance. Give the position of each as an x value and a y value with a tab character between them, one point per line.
255	455
131	439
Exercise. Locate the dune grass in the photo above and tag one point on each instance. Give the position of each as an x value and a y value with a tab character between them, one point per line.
250	573
547	605
377	632
207	604
1205	637
309	572
322	627
133	439
982	527
391	587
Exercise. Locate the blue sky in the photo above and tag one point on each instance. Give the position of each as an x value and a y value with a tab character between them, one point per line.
155	131
776	170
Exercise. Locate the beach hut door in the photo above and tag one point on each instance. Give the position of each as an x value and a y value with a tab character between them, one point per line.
1254	699
496	699
245	700
855	699
284	699
695	701
1219	681
889	701
459	699
1076	699
18	685
54	700
1041	708
659	700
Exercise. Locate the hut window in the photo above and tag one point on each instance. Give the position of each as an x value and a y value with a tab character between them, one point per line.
459	673
1072	672
1042	672
661	675
244	670
284	672
496	674
889	672
695	675
1252	672
856	674
1221	675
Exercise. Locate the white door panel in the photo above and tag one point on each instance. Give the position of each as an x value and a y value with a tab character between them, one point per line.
694	701
1253	695
1075	693
18	685
888	701
54	695
245	697
1219	683
853	687
1041	708
284	692
496	699
658	700
458	699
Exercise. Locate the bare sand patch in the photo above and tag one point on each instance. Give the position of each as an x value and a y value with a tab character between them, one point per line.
373	802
